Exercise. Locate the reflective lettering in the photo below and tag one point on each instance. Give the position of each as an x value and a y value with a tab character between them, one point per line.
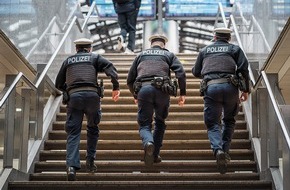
78	59
217	49
153	52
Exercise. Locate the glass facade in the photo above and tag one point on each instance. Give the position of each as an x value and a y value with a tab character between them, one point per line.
271	15
24	21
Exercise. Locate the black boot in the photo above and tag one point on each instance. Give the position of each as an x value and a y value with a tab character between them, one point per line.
71	174
157	159
90	166
221	161
148	154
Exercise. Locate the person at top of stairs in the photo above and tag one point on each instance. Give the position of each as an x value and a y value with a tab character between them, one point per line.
150	83
219	65
127	11
78	79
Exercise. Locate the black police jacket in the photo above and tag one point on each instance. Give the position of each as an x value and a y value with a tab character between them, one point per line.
153	62
82	69
221	58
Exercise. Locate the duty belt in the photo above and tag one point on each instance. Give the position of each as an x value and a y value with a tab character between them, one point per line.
84	88
218	81
146	83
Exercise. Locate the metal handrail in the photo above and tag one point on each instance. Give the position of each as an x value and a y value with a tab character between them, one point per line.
44	72
252	78
92	7
261	33
277	110
41	37
73	21
13	85
70	16
253	21
221	11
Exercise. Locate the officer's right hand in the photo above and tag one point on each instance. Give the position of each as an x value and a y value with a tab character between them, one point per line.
136	101
244	96
115	95
181	100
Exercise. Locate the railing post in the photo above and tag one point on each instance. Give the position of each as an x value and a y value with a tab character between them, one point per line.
40	103
255	104
286	165
9	125
285	149
263	129
25	130
273	128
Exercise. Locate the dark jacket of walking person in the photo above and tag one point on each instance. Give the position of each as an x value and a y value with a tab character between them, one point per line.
127	11
78	79
223	67
150	83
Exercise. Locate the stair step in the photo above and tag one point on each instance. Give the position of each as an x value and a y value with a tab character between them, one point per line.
173	116
106	108
128	125
134	134
142	185
236	154
136	144
138	166
146	176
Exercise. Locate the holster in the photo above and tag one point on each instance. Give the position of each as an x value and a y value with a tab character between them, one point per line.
203	86
137	86
100	88
65	97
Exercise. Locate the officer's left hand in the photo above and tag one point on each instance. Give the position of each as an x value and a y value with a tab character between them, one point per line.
115	95
181	100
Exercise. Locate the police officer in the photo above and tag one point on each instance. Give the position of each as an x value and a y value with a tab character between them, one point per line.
146	80
78	77
127	11
218	65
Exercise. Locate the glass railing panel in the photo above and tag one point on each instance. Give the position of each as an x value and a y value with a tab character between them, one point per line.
18	124
2	124
32	120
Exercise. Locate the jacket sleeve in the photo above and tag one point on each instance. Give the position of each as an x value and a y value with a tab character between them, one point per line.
61	78
137	4
178	69
196	70
106	66
132	75
242	66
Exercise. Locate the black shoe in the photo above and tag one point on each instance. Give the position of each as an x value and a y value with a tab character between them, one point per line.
221	161
228	157
157	159
148	157
90	166
71	174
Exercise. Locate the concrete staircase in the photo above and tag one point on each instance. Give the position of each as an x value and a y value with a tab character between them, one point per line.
188	162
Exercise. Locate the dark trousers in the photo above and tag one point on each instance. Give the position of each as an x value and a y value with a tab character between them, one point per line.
82	103
221	105
127	22
152	101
